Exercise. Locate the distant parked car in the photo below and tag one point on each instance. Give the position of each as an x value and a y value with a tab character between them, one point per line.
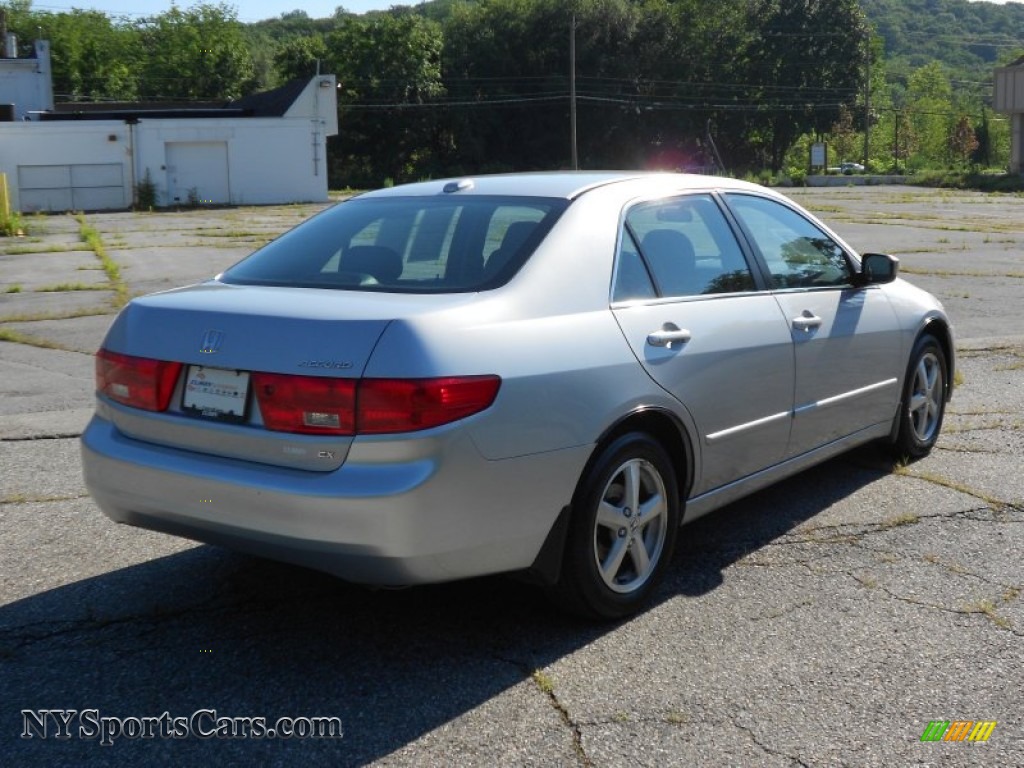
544	373
850	168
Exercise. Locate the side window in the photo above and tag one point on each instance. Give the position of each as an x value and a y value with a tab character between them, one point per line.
687	247
631	278
798	254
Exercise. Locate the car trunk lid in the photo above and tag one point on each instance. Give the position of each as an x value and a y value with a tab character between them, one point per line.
225	337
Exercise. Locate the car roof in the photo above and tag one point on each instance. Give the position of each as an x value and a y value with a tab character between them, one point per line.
558	184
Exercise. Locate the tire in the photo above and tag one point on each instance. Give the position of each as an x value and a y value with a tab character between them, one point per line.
614	557
924	400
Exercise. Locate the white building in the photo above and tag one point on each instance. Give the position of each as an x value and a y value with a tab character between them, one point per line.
262	149
1009	99
25	84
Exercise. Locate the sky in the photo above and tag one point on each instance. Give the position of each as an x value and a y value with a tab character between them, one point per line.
250	11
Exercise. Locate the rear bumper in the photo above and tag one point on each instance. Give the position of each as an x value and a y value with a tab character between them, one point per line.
397	512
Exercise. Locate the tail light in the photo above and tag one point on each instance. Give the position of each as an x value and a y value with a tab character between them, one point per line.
310	404
136	381
406	405
315	405
318	405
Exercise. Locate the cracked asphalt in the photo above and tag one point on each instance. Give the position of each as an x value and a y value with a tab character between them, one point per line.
823	622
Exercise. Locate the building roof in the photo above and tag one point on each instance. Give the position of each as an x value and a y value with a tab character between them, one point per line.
272	103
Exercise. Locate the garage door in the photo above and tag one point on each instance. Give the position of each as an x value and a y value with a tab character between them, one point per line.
72	187
197	172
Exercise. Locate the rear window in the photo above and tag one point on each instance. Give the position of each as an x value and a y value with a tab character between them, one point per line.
405	245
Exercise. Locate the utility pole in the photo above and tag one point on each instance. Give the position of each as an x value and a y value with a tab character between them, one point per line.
867	99
572	92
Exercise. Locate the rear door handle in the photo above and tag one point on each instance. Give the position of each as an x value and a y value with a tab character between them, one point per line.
807	322
668	336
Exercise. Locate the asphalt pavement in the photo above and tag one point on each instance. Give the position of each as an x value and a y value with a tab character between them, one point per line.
826	621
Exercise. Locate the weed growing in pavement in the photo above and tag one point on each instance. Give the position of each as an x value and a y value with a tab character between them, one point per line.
988	609
9	334
544	682
62	287
11	224
91	237
33	317
907	518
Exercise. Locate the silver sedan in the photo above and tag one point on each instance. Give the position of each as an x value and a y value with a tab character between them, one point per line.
539	373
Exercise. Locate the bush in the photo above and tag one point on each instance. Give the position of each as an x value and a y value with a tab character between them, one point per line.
145	193
11	224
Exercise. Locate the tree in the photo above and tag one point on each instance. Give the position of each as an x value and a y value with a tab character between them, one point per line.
92	57
844	138
198	53
962	141
299	56
389	71
806	61
929	98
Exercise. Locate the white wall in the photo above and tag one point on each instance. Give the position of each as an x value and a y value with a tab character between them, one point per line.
44	154
318	101
269	159
265	160
26	83
1009	99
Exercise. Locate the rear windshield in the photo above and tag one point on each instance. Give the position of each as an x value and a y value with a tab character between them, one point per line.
405	244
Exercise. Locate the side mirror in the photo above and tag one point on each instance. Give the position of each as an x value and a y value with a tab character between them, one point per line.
878	268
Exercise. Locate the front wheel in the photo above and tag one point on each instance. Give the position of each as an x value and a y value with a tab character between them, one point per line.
924	399
623	528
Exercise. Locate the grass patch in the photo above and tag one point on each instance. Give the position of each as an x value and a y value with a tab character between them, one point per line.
907	518
953	485
988	609
21	250
983	182
230	233
934	559
91	237
13	289
62	287
33	317
959	273
8	334
868	582
544	682
23	498
11	224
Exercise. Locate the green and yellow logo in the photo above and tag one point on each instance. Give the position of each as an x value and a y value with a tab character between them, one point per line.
958	730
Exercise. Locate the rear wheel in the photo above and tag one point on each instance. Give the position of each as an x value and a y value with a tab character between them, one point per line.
623	529
924	399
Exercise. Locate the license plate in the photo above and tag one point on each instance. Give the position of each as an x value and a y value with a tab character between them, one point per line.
216	393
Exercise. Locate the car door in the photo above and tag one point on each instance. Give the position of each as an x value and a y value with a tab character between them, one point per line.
686	299
847	342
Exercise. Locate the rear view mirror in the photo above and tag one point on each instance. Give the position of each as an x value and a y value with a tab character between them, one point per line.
877	268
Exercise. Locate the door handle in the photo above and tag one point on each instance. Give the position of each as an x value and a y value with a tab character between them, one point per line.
807	322
668	336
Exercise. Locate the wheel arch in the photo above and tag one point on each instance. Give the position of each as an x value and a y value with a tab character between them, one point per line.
940	329
660	424
664	427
